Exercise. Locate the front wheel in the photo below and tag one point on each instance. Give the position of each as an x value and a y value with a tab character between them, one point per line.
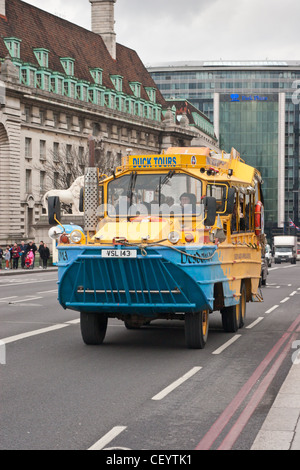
93	327
196	329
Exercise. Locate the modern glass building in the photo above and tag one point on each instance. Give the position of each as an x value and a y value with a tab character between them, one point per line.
255	108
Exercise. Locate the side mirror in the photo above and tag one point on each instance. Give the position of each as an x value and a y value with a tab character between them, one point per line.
53	209
230	201
81	200
210	207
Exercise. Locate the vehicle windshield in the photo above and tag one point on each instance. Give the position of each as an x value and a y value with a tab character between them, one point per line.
153	194
284	249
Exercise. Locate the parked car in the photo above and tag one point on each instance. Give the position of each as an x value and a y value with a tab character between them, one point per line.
264	271
268	255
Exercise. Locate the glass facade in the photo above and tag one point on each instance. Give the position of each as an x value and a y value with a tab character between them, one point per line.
252	108
251	127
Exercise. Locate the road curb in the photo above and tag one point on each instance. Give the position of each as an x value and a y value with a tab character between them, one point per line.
13	272
281	428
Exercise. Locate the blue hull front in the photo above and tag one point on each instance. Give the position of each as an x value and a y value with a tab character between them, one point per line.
163	282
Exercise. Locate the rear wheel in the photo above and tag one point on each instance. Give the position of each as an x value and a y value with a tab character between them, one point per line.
196	329
93	327
233	317
243	303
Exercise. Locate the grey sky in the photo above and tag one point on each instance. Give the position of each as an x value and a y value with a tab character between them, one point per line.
170	30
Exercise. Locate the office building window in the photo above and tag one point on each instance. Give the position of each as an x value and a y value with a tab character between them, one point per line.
28	182
42	150
42	181
28	147
56	152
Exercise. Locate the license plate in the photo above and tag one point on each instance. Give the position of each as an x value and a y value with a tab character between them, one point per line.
119	253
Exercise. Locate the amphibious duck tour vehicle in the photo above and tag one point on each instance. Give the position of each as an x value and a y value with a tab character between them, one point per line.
171	236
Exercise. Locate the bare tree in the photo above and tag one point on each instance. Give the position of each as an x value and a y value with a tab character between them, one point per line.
66	162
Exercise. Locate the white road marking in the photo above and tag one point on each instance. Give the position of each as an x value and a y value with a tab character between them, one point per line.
225	345
24	300
13	284
12	339
293	293
176	384
47	291
258	320
5	299
284	300
99	445
272	308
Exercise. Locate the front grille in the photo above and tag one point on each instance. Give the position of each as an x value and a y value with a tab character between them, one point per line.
142	282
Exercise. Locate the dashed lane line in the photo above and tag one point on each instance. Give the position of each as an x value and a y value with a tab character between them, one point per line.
172	386
225	345
258	320
12	339
102	443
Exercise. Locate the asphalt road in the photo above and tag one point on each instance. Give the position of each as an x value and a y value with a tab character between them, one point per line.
142	389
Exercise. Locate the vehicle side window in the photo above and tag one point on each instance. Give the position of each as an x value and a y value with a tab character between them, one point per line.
218	191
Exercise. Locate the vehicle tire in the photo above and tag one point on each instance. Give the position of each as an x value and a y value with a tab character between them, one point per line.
196	329
93	327
231	318
243	303
131	326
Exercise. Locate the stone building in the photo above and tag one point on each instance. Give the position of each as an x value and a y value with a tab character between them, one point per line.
59	84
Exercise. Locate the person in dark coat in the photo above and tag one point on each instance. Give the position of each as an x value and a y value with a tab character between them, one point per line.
40	249
15	254
45	255
23	250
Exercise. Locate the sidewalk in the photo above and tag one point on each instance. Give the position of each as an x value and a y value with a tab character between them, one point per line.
281	429
14	272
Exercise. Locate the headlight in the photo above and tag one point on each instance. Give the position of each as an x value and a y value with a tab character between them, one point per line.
173	237
76	236
55	232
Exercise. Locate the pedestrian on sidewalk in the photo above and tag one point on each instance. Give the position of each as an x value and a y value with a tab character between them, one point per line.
45	255
23	249
1	256
31	246
11	260
7	257
15	253
41	247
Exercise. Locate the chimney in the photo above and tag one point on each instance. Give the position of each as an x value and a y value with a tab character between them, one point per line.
2	8
103	23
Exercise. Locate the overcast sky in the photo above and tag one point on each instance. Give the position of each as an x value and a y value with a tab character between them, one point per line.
170	30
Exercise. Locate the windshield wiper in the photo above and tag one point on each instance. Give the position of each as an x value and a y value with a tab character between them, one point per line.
163	182
167	177
131	186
